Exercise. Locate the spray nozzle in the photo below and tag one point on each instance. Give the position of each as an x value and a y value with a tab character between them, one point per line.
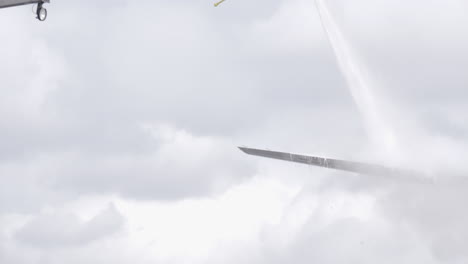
218	3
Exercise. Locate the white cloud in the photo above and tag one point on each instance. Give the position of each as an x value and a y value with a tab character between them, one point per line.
68	230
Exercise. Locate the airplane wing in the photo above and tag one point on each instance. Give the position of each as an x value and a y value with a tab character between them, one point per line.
343	165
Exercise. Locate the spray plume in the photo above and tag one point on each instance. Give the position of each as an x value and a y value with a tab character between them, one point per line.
376	125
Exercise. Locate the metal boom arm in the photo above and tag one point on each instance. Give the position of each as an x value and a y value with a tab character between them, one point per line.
350	166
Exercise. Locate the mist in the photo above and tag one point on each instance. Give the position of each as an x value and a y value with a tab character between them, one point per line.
433	207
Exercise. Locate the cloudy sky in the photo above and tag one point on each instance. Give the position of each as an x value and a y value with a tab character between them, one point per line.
119	122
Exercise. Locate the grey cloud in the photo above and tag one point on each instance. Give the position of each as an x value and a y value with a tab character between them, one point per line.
435	212
86	131
182	166
415	52
350	241
154	74
412	223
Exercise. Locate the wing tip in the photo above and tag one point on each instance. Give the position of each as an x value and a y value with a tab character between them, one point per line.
244	149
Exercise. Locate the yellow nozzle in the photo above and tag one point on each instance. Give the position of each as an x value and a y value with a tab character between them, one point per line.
218	3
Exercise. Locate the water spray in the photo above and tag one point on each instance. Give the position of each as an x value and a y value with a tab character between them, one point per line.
376	123
378	128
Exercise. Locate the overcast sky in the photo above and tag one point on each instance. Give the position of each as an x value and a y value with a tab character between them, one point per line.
119	122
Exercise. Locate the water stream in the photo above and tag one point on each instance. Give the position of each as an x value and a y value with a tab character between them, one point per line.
376	123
